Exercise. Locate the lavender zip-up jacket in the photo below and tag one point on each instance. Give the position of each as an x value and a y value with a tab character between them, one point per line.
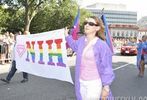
103	56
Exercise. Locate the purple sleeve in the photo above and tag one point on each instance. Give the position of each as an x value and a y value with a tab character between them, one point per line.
106	71
72	43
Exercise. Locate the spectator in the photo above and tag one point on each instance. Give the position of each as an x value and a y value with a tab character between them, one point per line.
142	55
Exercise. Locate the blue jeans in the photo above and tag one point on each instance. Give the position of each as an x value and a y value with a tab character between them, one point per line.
13	70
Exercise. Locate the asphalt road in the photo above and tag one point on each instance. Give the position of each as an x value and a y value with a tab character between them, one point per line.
126	86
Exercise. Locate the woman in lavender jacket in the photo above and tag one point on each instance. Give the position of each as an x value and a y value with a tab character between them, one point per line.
93	71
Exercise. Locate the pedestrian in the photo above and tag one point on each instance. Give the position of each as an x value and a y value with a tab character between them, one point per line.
142	55
13	69
93	71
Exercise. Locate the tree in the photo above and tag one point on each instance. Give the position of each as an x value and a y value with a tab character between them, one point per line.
55	15
41	15
31	8
15	21
3	18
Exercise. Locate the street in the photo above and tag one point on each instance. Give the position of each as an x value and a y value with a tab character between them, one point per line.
126	86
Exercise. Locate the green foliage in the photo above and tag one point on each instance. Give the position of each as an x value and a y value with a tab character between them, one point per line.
15	21
51	15
3	17
30	7
54	16
57	15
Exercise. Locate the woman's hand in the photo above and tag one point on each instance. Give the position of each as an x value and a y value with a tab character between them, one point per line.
66	32
105	93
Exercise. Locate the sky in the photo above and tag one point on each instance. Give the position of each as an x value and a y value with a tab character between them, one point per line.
140	6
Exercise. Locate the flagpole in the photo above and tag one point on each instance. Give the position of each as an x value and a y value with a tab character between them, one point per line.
102	12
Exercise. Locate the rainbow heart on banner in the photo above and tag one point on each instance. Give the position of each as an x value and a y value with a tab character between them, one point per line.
20	49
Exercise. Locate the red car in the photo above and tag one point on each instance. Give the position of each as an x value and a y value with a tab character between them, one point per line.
129	49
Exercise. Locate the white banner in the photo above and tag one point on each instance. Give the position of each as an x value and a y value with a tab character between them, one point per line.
43	55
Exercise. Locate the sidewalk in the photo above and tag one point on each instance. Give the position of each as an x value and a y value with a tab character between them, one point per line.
4	68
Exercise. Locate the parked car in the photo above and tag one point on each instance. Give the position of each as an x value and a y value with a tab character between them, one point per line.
129	49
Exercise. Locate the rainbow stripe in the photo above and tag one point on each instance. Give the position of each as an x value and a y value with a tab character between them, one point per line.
30	50
41	52
58	52
51	53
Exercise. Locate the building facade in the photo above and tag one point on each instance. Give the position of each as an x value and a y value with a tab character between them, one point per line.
141	32
122	23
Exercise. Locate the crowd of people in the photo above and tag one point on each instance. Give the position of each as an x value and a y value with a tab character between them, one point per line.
119	42
6	46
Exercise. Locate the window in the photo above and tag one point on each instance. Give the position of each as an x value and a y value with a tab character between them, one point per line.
118	34
113	34
122	34
131	34
127	34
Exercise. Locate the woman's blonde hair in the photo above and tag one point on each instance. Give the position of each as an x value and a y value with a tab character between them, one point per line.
99	22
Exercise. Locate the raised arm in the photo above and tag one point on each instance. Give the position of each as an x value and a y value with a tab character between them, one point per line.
71	42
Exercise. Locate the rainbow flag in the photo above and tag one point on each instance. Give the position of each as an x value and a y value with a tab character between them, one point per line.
76	26
107	33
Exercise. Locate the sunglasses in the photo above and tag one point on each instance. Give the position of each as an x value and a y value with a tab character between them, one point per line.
90	24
